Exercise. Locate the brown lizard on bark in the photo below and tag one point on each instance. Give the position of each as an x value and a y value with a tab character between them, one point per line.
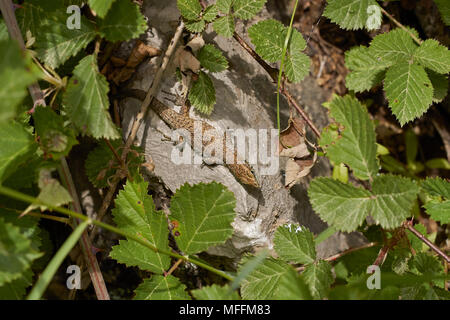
241	171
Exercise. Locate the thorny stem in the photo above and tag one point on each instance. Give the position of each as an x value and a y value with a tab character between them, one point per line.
273	73
6	7
398	24
135	237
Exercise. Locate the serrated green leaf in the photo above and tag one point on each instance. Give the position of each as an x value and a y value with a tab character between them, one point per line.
56	43
365	70
86	100
433	56
16	146
202	94
204	213
123	21
246	9
224	6
189	9
444	9
292	287
262	283
161	288
212	59
15	75
440	85
408	90
416	243
101	7
54	138
425	263
224	26
16	254
210	13
195	26
341	205
437	187
295	244
394	197
319	278
439	211
268	37
356	146
297	66
135	213
16	289
393	47
215	292
51	191
349	14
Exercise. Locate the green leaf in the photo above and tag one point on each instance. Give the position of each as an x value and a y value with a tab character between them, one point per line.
393	47
319	278
161	288
439	211
101	7
224	6
356	146
292	287
215	292
56	43
16	146
444	9
51	191
135	213
202	94
408	90
440	85
412	145
246	9
124	21
189	9
54	138
212	59
437	187
294	244
15	75
262	283
195	26
416	243
86	100
4	35
210	13
341	205
268	37
426	263
433	56
365	70
349	14
297	66
224	26
204	213
17	289
16	254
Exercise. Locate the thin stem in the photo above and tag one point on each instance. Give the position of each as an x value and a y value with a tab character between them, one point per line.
280	73
53	266
173	268
23	197
398	24
408	225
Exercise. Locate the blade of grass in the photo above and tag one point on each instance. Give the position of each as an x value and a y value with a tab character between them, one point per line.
53	266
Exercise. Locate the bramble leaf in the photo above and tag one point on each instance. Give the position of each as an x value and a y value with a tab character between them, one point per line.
135	213
224	26
212	59
86	100
319	278
408	90
433	56
189	9
161	288
203	215
437	187
101	7
394	46
291	286
444	9
246	9
195	26
215	292
210	13
356	145
295	244
202	94
350	14
262	282
123	21
224	6
439	211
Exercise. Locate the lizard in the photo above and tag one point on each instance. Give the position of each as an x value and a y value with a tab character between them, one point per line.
241	171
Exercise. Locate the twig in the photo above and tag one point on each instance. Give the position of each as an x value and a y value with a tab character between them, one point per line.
408	225
273	73
6	7
398	24
173	268
140	117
